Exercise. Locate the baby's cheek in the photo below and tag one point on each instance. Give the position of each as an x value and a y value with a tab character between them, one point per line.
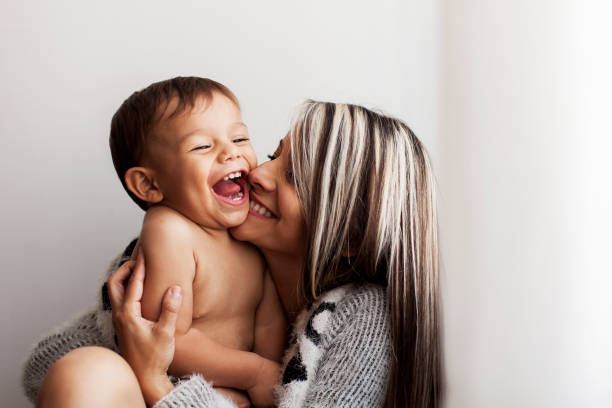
251	158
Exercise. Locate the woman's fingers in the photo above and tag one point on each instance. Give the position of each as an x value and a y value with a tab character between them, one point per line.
169	313
133	292
116	290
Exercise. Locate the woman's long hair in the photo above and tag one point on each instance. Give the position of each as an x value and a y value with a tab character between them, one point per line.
367	189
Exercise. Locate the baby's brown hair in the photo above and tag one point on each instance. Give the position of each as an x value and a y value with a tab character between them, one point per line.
136	118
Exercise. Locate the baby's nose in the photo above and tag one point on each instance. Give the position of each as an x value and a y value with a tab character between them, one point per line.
230	152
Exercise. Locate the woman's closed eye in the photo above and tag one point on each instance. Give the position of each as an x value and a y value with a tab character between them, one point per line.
289	176
241	139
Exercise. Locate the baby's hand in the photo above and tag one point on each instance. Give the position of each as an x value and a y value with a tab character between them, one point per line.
238	397
262	393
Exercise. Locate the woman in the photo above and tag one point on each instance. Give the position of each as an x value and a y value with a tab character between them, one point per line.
353	253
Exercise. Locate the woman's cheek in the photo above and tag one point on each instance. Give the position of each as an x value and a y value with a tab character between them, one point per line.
293	231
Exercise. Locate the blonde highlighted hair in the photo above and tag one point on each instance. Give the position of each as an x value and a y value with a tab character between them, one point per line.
367	189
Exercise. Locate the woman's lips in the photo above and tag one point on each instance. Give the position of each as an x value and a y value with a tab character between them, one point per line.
259	210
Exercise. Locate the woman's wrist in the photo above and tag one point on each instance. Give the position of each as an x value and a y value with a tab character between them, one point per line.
156	388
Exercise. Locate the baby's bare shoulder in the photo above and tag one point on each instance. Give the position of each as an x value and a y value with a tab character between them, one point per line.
164	221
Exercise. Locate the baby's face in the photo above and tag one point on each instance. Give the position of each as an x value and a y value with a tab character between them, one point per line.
201	158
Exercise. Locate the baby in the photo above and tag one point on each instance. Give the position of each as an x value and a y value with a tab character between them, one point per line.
183	154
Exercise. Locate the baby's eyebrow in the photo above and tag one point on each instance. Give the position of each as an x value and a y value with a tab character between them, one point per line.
240	124
193	132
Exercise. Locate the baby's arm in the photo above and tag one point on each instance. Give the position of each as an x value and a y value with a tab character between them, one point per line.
270	323
167	248
226	367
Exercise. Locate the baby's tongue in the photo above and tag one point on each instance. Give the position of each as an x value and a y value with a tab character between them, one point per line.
226	187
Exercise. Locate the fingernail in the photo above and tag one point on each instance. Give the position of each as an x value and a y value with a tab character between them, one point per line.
175	291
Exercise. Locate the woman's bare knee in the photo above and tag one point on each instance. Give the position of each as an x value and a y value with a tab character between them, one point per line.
92	377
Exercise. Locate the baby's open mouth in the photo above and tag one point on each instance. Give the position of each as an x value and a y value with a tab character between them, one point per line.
232	188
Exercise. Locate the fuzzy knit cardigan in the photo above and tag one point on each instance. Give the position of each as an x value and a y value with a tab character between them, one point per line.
339	354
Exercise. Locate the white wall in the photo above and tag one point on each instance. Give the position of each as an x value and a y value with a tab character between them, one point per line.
67	65
526	198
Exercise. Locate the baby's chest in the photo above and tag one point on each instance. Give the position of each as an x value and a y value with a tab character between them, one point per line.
226	288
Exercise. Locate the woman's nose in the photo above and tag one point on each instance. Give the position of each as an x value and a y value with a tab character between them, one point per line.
261	178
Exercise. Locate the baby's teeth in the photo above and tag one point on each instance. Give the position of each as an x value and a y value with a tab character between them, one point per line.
232	176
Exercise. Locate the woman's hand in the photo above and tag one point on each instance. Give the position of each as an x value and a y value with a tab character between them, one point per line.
147	346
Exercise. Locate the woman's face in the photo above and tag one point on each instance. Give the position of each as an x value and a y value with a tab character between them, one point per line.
275	220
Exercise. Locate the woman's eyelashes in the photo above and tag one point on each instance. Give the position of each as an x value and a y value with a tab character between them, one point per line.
288	172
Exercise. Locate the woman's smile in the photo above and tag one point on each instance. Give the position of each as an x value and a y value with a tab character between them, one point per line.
258	209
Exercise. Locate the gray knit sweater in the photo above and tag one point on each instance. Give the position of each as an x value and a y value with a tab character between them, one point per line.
339	355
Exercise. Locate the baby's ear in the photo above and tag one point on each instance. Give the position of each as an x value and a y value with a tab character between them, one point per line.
141	182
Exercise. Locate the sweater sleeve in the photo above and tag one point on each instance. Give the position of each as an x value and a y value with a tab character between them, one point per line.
93	327
354	370
83	331
80	332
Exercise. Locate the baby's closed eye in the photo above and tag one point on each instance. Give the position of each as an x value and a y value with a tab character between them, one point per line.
202	147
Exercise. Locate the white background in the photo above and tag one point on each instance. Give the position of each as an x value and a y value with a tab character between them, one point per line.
511	98
526	193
